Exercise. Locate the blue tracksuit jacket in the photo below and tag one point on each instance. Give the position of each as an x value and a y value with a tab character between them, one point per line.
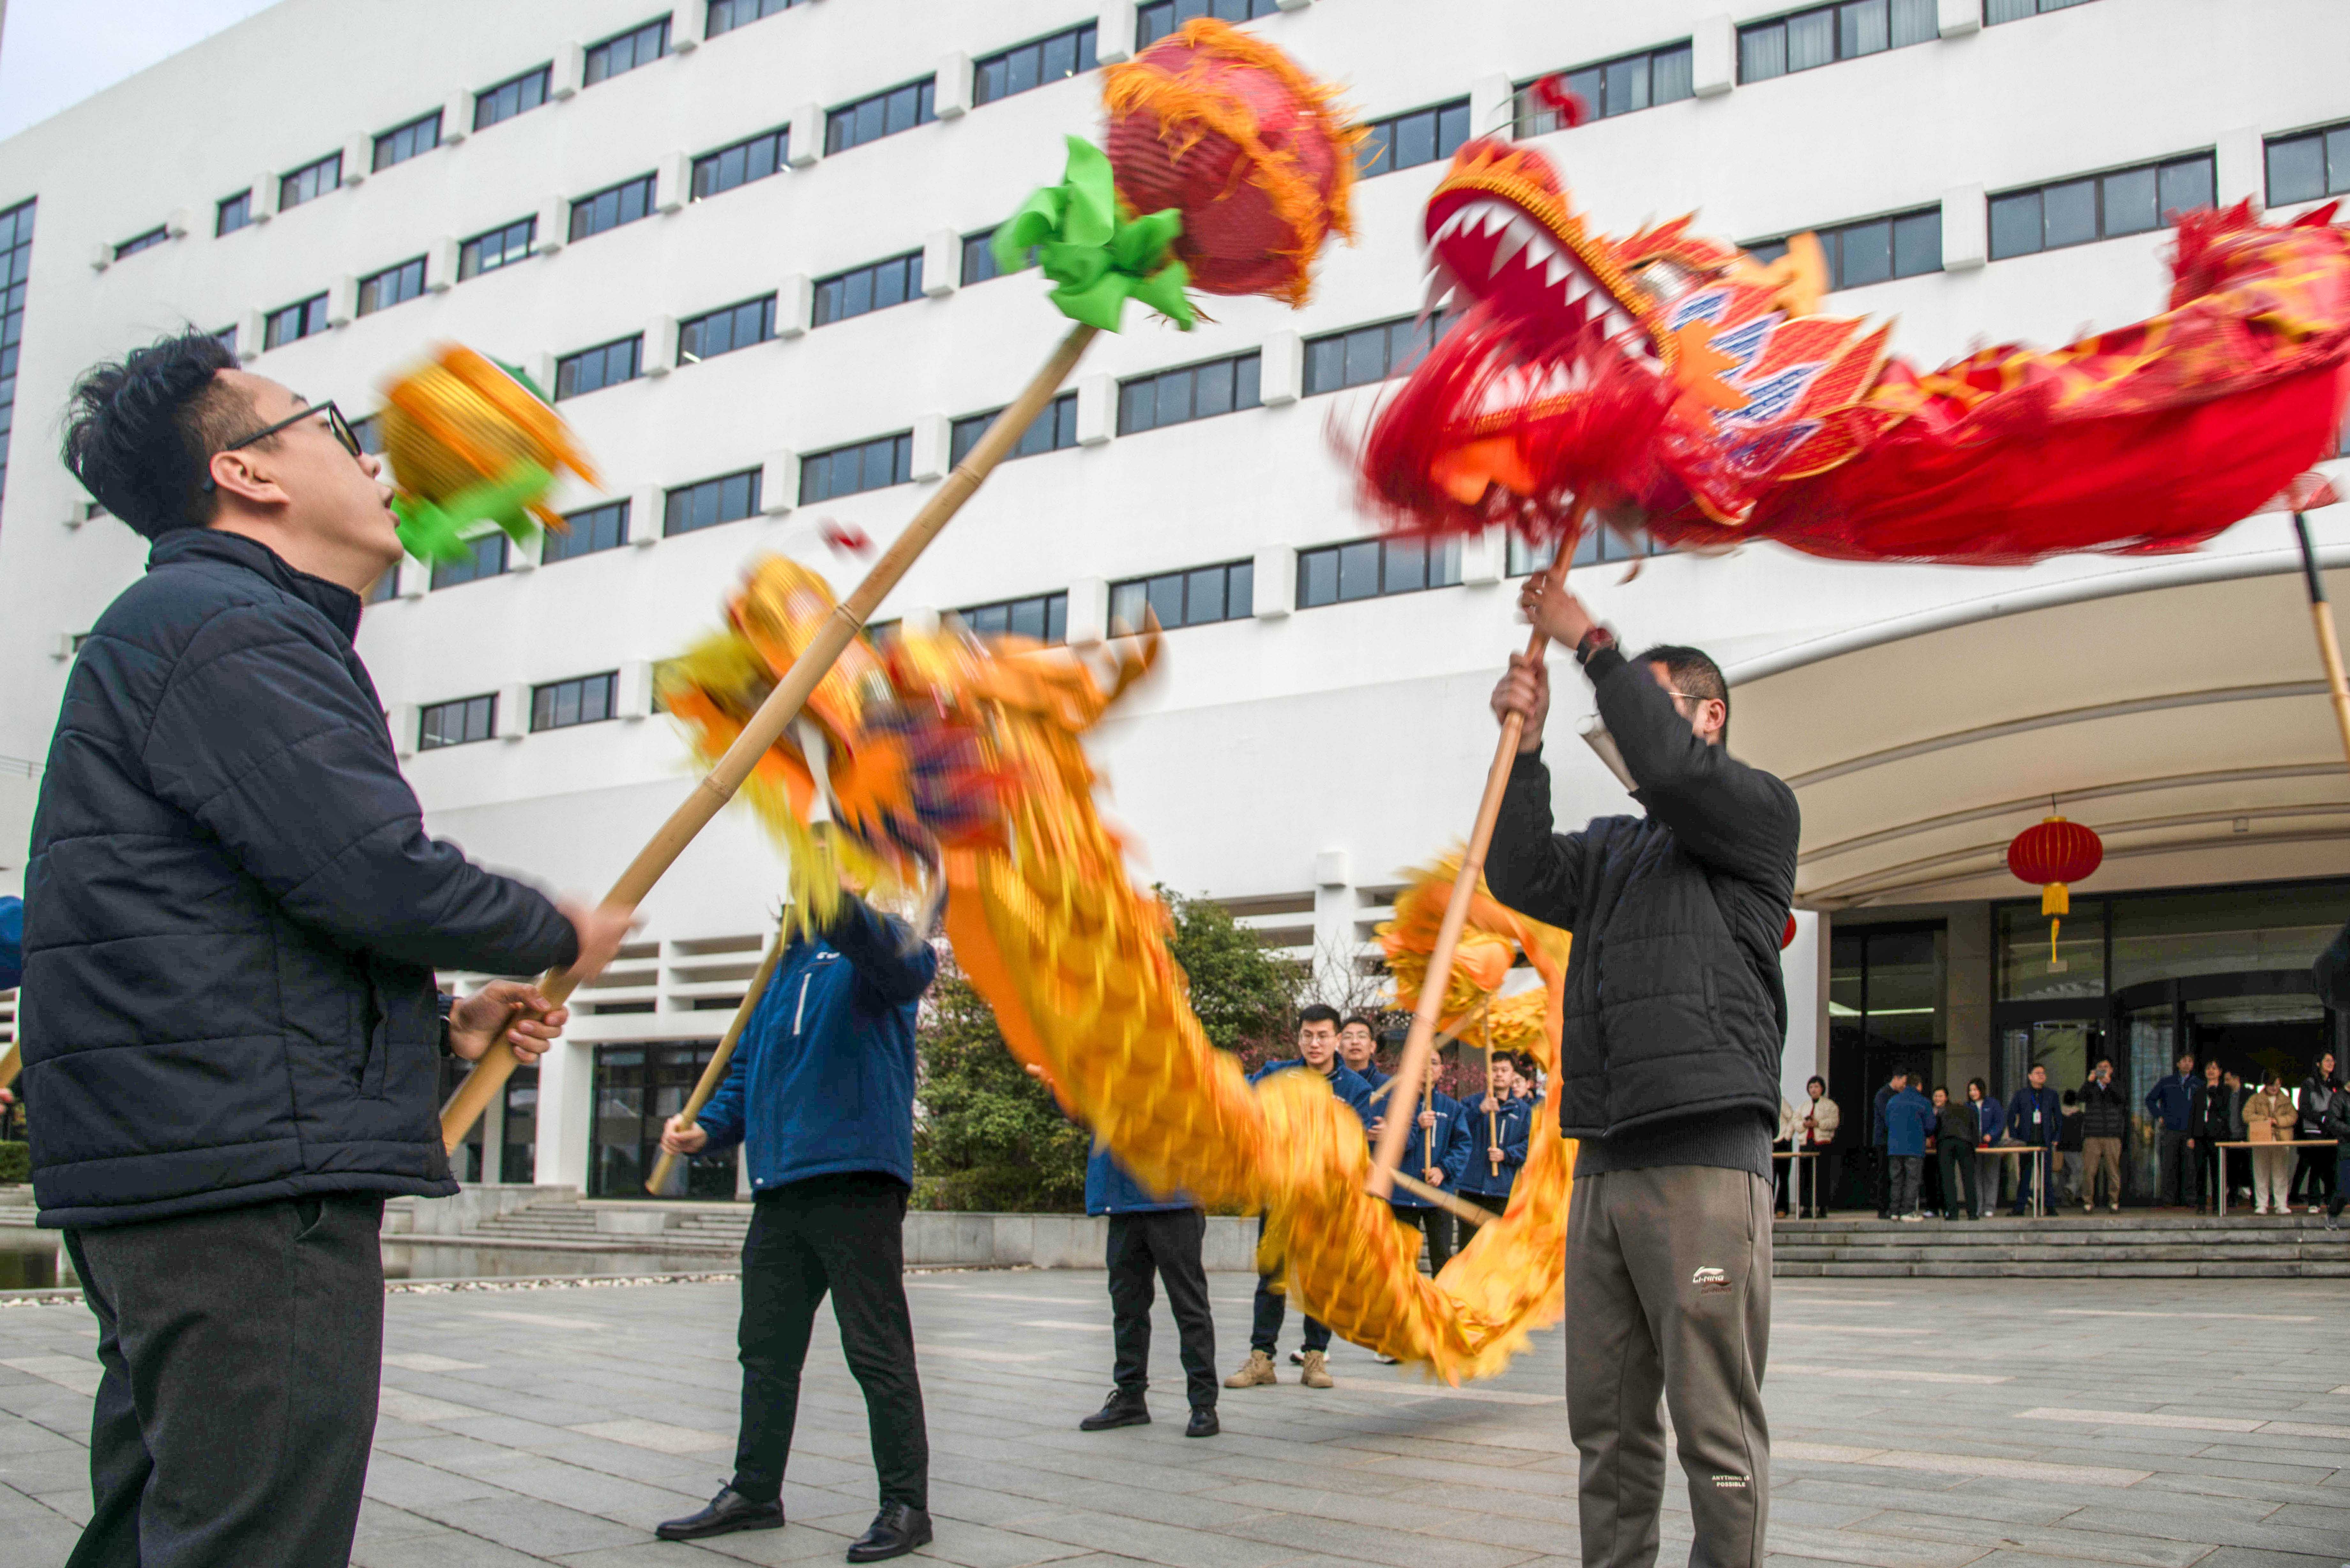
823	1079
1477	1178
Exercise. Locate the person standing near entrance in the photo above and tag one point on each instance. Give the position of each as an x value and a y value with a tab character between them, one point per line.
1816	1131
1990	1127
821	1091
1881	1161
1149	1234
2104	1118
2316	1165
1955	1142
1317	1051
2034	1116
232	918
1910	1120
2209	1124
1668	1075
2170	1103
2269	1117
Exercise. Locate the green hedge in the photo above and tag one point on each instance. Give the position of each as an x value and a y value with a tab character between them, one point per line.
15	1162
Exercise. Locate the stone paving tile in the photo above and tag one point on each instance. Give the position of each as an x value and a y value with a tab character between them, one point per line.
480	1464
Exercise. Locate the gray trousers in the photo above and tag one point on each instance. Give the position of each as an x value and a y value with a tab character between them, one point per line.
1669	1295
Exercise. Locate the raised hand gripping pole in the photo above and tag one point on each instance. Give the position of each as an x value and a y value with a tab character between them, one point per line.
1420	1044
783	705
716	1072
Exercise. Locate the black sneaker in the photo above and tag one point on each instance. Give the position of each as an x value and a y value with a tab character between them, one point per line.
729	1511
897	1529
1124	1408
1204	1423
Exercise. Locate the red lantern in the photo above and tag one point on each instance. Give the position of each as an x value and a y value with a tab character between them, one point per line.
2055	853
1219	124
1787	936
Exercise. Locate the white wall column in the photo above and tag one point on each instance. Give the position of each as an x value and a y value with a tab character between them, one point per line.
1804	963
1334	903
567	1114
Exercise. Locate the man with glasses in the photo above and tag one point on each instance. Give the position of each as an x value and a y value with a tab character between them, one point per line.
1669	1070
234	917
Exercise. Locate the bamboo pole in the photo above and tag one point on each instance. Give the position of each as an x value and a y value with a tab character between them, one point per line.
10	1065
1419	1045
716	1072
783	705
1494	1116
2329	646
1460	1207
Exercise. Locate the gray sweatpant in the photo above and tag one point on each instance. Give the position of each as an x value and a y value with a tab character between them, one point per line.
1668	1293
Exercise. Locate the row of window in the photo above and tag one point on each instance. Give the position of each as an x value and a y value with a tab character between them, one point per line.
16	267
557	705
1848	29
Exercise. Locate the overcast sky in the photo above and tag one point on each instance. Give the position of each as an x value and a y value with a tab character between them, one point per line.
56	53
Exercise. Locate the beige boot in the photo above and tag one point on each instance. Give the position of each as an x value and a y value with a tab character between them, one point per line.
1258	1370
1317	1372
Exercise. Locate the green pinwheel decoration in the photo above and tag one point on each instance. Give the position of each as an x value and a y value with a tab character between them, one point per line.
1096	255
433	533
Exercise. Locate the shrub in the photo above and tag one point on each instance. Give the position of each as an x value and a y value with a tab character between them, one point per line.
15	1163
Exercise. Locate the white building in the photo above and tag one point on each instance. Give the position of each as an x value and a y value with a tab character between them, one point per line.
343	183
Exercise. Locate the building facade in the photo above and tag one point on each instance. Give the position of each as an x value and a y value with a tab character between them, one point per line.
742	243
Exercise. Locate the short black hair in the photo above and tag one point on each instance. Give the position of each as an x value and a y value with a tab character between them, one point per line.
1695	674
1318	1013
1815	1078
1358	1018
141	434
2069	1098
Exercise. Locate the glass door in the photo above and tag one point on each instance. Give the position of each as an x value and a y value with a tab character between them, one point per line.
638	1089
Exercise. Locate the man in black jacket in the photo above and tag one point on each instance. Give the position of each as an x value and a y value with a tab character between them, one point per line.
230	1028
2105	1117
1674	1021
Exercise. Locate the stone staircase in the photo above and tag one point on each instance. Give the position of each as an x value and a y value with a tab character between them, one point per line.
566	1222
2140	1244
16	1204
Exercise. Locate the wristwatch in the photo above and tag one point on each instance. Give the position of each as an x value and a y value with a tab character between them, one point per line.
1597	638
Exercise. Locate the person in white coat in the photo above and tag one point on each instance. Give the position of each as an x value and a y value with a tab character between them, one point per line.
1816	1129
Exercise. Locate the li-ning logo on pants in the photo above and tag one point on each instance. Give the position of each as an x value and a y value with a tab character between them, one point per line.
1710	1280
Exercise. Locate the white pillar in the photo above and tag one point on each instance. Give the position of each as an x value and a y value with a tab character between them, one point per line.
1803	964
1335	905
567	1114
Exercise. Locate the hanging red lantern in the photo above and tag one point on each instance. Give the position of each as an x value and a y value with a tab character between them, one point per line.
2055	853
1787	936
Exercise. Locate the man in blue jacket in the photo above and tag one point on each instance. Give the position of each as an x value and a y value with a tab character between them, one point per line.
2034	1116
2171	1104
1492	1132
1908	1118
1878	1153
232	917
821	1094
1358	1047
1149	1233
1436	1151
1317	1051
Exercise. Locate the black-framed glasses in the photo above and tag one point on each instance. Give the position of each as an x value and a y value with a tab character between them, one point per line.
340	427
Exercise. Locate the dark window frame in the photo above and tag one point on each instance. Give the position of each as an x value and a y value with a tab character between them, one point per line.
475	568
546	700
1833	245
694	325
400	274
570	369
311	322
1595	547
819	469
328	179
160	235
845	127
1131	595
709	170
725	491
586	532
2330	142
1050	616
1448	128
1154	19
233	213
724	16
469	251
1248	372
1391	554
1404	331
2159	168
1596	84
16	224
533	85
835	292
486	705
387	153
2030	8
999	76
1842	19
603	52
587	214
1057	421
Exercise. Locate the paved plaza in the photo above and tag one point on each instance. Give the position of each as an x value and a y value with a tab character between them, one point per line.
1916	1424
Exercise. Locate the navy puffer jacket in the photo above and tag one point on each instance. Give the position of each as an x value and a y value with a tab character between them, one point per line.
232	912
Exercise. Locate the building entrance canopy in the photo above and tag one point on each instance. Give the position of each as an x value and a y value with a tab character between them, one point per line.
2178	708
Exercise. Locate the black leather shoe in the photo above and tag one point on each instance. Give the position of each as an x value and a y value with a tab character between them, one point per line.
1203	1424
1124	1408
729	1511
897	1529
